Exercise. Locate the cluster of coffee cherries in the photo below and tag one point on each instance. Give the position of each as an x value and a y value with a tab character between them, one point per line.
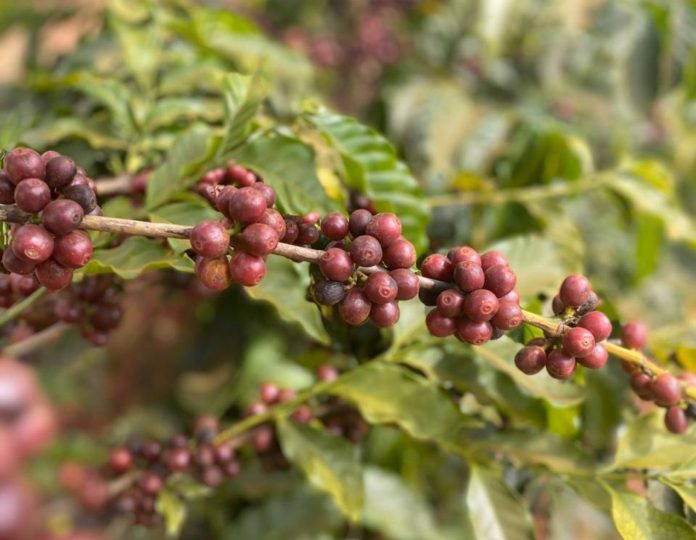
56	193
480	303
581	344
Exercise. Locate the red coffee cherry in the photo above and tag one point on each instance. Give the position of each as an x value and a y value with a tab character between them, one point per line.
493	258
22	163
385	227
151	483
7	189
31	195
634	335
407	283
462	254
336	264
32	243
178	459
267	191
222	198
292	231
676	420
328	293
106	316
358	221
500	279
94	336
578	342
380	288
302	415
474	333
120	460
439	325
530	359
450	303
480	305
597	323
365	250
214	273
469	276
53	276
666	390
437	266
327	373
575	290
400	254
23	285
269	392
286	393
558	306
560	365
335	226
641	384
238	174
263	439
48	155
274	219
14	264
385	315
247	205
74	250
355	307
307	234
59	172
247	270
61	216
210	239
259	239
597	358
508	316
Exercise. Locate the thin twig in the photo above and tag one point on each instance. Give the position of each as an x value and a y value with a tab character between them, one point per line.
115	185
36	341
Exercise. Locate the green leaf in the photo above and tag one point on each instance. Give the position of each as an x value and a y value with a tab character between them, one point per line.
686	491
330	463
372	166
243	98
173	510
188	212
94	132
636	519
168	111
495	513
185	162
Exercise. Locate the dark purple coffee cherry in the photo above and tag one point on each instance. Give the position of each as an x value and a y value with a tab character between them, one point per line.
508	316
107	316
634	335
407	283
247	205
474	333
247	270
6	189
530	359
274	219
74	250
462	254
328	293
578	342
676	420
355	307
469	276
22	163
380	288
400	254
385	315
666	390
68	310
366	251
558	306
307	234
259	239
385	227
597	358
31	195
480	305
53	276
428	297
267	191
335	226
440	325
560	365
575	291
292	231
61	216
450	303
437	266
59	172
210	239
641	383
32	243
493	258
500	279
14	264
214	273
336	264
358	221
597	323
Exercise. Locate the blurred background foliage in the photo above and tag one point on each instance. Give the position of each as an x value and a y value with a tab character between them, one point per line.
561	132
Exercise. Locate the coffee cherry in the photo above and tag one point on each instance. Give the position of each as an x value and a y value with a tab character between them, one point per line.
428	297
74	250
597	323
358	221
274	219
492	258
336	264
634	335
462	254
151	483
327	373
558	306
307	234
469	276
292	231
224	453
575	290
23	285
68	310
14	264
666	390
385	315
263	439
32	243
400	254
302	415
178	459
380	288
61	216
31	195
578	342
7	189
407	283
247	270
597	358
267	191
22	163
48	155
106	316
355	307
238	174
53	276
120	460
474	333
59	172
676	420
508	316
366	251
335	226
269	392
439	325
259	239
285	394
560	365
385	227
437	266
500	279
480	305
450	303
214	273
210	239
247	205
641	384
530	359
328	293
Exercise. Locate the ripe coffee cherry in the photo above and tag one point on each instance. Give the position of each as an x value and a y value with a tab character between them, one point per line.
385	315
247	205
597	358
307	234
273	219
335	226
32	243
336	264
48	155
106	316
238	174
560	365
285	394
641	384
666	390
469	276
94	336
450	303
385	227
366	251
400	254
508	316
23	163
222	199
328	293
437	266
31	195
23	285
292	231
358	222
380	288
120	460
74	250
14	264
492	258
210	239
676	420
578	342
327	373
247	270
267	191
530	359
355	307
59	172
214	273
500	279
480	305
575	290
462	254
474	333
151	483
428	297
558	306
407	283
439	325
6	189
269	392
634	335
53	276
61	216
178	459
597	323
259	239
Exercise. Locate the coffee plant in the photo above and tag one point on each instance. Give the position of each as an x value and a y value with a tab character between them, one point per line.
231	311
